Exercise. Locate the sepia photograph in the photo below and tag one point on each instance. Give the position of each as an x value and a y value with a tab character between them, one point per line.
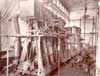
49	37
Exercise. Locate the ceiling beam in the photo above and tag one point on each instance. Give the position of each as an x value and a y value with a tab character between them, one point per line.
94	8
81	19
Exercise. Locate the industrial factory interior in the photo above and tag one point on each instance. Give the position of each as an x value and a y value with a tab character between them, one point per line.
49	37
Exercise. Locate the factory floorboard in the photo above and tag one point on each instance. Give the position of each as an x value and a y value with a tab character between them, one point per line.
66	70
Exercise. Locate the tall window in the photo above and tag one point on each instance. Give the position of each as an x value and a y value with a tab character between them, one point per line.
0	31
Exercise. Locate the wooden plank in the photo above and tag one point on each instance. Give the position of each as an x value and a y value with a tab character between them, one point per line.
24	51
26	36
46	52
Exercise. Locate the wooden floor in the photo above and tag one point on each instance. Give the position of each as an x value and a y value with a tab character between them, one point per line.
69	71
64	71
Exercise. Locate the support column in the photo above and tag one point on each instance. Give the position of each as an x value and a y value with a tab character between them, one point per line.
59	56
7	71
98	47
41	71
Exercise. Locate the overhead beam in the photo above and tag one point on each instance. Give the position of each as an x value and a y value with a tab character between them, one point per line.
81	19
94	8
